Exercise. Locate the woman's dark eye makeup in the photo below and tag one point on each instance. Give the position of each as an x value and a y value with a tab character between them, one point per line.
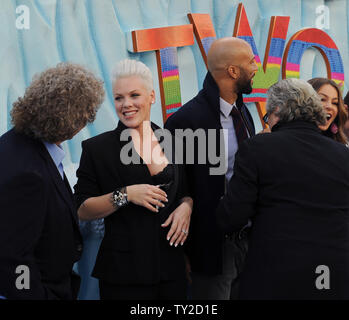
117	98
333	102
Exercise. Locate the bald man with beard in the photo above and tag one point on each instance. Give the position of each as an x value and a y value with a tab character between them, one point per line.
216	259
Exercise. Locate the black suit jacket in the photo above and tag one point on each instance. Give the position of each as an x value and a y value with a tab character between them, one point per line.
38	222
294	184
205	238
134	249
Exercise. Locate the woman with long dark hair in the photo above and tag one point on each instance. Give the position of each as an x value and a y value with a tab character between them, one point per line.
332	101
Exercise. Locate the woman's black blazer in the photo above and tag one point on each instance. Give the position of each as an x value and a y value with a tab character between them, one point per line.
134	249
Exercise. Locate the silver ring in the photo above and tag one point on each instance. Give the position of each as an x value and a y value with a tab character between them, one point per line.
184	231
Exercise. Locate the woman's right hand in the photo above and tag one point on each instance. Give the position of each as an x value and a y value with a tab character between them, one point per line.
146	195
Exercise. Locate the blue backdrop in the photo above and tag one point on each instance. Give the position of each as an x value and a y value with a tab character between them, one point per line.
93	33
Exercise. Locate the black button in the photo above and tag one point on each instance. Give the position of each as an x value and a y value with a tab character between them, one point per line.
79	247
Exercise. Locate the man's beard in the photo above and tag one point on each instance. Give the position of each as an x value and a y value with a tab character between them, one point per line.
243	85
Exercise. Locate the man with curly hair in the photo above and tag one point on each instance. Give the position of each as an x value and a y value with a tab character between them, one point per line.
39	232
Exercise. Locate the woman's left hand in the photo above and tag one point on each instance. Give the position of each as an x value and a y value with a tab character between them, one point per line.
180	219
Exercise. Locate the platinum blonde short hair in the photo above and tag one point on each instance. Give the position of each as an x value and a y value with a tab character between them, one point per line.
297	100
128	68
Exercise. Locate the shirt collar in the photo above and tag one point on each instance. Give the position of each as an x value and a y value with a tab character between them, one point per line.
226	107
56	152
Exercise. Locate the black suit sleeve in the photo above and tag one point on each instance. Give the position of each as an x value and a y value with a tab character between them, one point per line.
23	211
175	122
239	203
87	185
183	184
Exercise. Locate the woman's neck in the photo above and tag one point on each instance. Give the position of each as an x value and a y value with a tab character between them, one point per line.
143	132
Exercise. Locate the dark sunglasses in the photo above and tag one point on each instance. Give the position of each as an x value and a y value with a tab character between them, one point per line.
265	118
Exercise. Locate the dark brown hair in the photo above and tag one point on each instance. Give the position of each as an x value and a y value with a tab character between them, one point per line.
342	116
346	99
58	103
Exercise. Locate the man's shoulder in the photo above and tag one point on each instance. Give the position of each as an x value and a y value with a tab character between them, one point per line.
262	141
188	107
190	113
265	136
331	146
23	155
13	136
18	145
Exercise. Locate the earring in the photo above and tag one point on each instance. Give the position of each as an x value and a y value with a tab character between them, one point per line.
334	128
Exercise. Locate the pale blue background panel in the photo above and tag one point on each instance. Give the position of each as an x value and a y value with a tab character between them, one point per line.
94	33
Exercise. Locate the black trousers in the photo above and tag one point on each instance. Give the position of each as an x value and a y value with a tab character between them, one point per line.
223	286
167	290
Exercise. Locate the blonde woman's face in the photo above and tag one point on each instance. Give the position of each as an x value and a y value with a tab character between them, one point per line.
132	101
329	99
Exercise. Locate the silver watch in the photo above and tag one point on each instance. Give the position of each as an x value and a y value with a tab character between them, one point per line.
119	198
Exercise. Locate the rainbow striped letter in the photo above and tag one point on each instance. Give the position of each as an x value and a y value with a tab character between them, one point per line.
312	37
165	42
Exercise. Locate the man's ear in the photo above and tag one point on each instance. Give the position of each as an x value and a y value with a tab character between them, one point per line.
152	95
234	71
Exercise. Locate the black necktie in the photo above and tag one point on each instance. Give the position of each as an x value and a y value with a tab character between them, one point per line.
239	125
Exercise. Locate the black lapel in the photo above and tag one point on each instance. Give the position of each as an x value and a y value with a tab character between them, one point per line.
133	172
60	184
211	93
74	211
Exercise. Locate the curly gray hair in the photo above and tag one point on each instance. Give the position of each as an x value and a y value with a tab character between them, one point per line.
297	100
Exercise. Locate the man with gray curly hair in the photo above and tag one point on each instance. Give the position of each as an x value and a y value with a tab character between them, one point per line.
293	99
293	184
39	231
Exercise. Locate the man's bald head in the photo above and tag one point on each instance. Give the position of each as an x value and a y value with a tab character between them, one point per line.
232	65
226	51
